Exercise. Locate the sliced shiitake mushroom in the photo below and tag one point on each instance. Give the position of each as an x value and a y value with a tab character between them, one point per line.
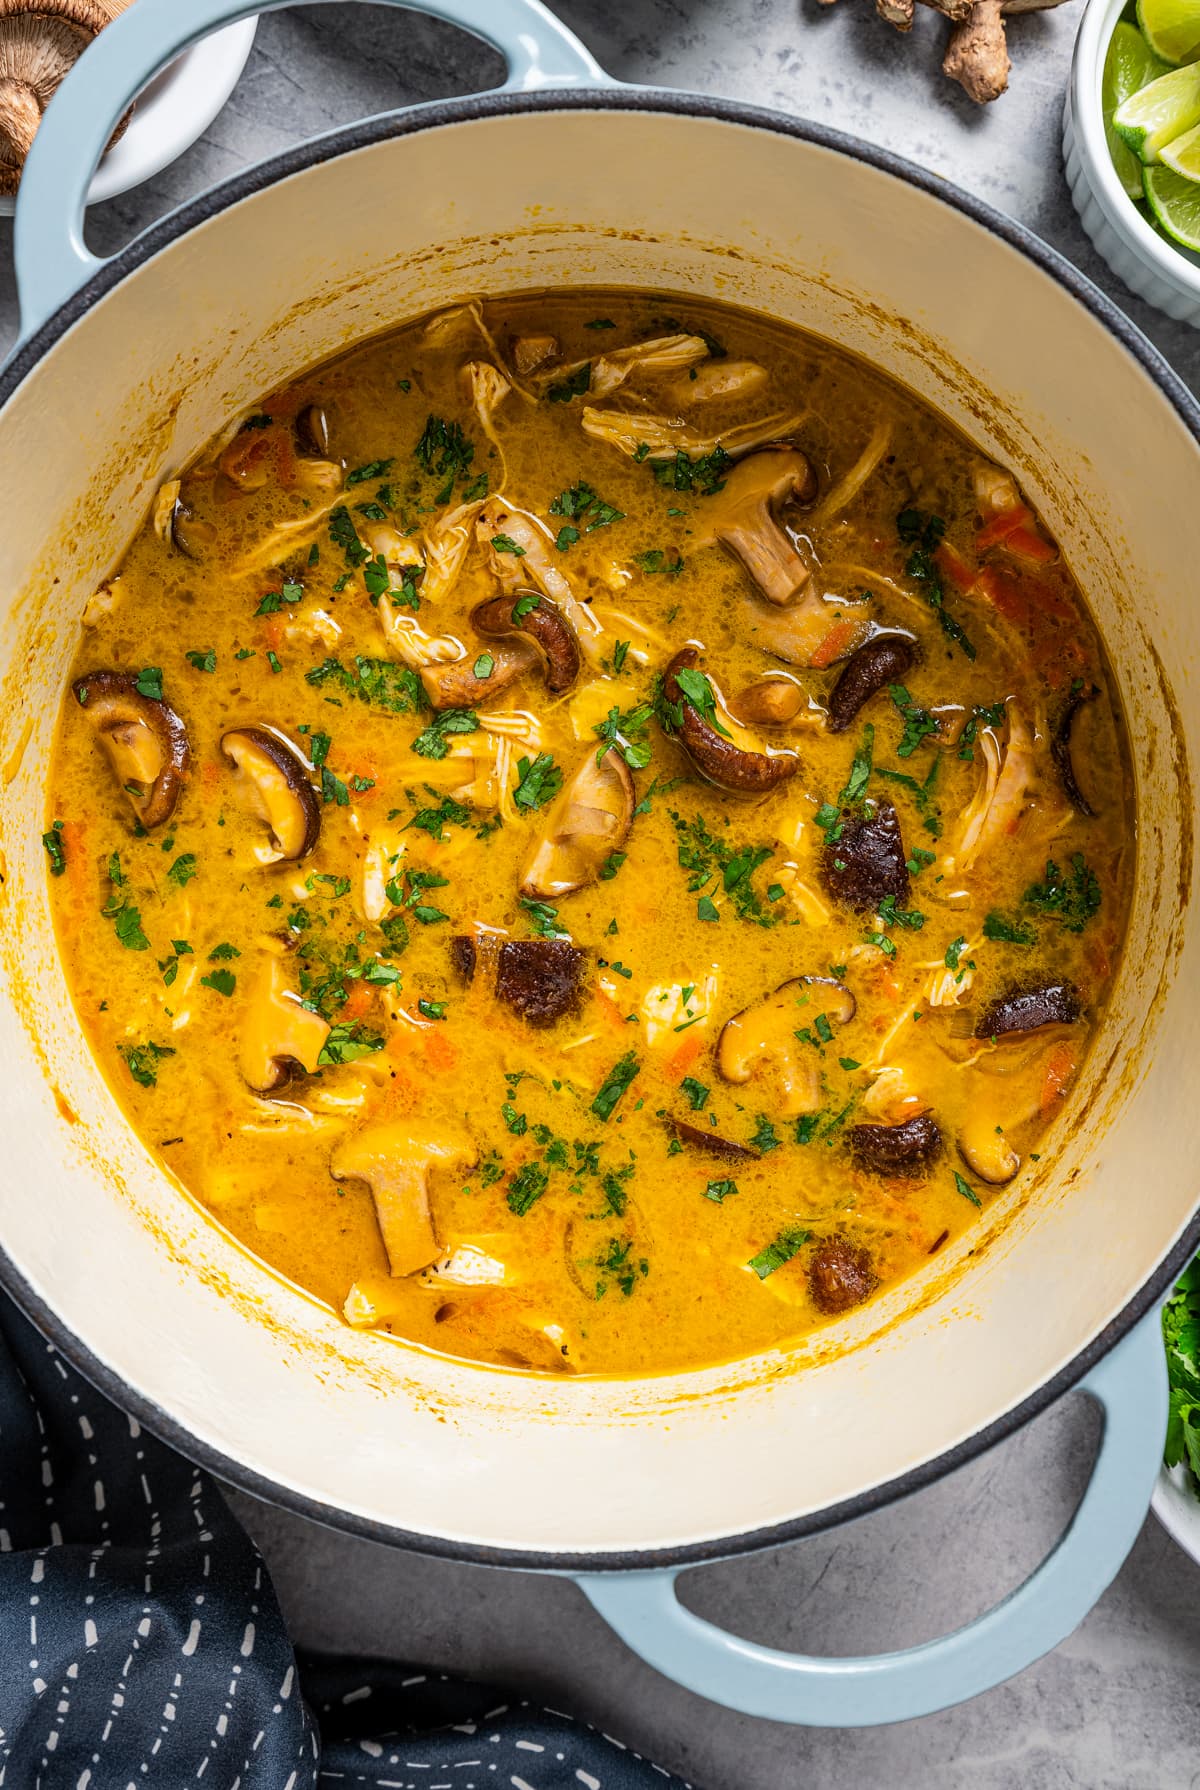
986	1151
310	431
729	766
589	821
1025	1010
882	661
1061	753
275	778
742	516
866	862
176	525
459	684
538	619
540	979
840	1276
280	1037
770	701
144	739
395	1161
906	1149
765	1033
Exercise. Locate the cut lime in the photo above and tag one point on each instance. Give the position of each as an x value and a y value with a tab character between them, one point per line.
1175	203
1149	118
1129	65
1183	154
1171	28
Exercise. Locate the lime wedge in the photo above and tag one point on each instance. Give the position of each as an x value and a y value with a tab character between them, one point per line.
1129	65
1149	118
1171	28
1183	154
1175	203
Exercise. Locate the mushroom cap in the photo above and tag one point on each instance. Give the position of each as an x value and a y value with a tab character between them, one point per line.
144	739
986	1151
730	766
1027	1010
879	662
905	1149
770	701
539	620
590	819
840	1276
277	778
279	1036
39	45
766	1032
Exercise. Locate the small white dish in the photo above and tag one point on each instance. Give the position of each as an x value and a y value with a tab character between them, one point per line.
172	111
1176	1504
1166	276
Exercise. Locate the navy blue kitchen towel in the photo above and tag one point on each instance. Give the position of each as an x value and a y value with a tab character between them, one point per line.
141	1643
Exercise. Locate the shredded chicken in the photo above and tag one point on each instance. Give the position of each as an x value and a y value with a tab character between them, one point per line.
444	547
1006	788
840	496
286	538
663	437
715	381
665	1010
488	387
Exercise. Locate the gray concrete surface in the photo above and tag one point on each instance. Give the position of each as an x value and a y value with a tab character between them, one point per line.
1116	1707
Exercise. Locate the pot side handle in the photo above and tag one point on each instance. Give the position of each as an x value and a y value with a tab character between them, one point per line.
1130	1385
52	260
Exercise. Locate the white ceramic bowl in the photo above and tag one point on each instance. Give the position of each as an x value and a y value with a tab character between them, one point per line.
172	111
1165	276
1177	1507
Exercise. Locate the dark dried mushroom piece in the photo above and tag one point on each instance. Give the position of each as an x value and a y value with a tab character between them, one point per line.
886	659
310	431
906	1149
1061	753
144	739
1025	1010
770	701
280	1038
540	979
712	1142
840	1276
867	862
463	683
767	1034
727	765
537	619
275	778
589	821
177	526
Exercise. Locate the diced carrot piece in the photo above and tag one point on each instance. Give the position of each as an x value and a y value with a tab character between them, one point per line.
1060	1067
678	1065
210	773
1001	526
835	644
608	1006
273	632
1027	544
1005	595
358	1000
952	565
439	1052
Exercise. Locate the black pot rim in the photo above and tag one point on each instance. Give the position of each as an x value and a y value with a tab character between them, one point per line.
615	99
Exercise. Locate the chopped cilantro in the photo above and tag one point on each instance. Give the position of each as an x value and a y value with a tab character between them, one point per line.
786	1245
203	661
616	1082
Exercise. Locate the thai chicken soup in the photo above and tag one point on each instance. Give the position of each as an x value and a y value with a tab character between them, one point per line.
592	832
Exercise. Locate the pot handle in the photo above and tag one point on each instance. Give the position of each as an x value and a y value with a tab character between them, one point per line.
51	258
1130	1385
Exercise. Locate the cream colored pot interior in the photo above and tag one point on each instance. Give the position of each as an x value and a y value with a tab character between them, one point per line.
256	1371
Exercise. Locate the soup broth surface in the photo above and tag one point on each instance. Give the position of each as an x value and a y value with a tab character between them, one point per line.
592	832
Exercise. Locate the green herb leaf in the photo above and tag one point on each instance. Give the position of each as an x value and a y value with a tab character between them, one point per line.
786	1245
616	1082
149	682
56	848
